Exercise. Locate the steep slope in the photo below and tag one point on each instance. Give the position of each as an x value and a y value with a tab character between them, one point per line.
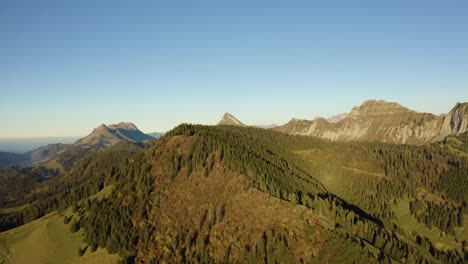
230	120
386	122
44	153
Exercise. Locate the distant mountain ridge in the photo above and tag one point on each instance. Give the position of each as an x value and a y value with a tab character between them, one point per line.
23	145
378	120
101	137
107	136
155	134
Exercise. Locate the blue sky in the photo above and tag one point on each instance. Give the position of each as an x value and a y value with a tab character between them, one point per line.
68	66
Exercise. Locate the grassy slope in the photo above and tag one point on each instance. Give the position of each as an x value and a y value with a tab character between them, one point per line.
6	211
363	169
410	224
54	164
48	240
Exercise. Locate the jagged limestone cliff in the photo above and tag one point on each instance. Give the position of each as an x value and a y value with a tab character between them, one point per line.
377	120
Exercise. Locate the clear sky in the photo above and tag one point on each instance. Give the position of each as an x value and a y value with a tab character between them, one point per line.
68	66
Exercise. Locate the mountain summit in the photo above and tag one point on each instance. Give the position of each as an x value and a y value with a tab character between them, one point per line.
230	120
109	135
378	120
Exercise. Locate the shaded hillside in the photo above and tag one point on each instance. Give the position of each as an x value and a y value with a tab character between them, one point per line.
43	153
7	159
16	182
385	122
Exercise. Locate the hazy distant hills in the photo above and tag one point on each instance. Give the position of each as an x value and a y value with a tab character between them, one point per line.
155	134
101	137
337	118
377	120
22	145
8	158
44	152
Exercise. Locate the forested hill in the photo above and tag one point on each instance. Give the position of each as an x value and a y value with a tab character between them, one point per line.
211	194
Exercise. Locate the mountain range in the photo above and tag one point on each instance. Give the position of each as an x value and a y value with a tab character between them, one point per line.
377	120
374	120
230	120
106	136
239	194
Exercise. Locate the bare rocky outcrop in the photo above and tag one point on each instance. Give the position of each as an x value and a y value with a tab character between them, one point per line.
230	120
377	120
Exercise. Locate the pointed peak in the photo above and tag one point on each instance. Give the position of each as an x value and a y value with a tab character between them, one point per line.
230	120
228	115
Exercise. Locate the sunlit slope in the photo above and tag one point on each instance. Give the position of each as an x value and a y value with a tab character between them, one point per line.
48	240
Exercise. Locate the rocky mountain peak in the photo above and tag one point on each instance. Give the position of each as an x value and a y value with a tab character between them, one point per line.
377	107
109	135
378	120
456	121
124	125
229	119
460	107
